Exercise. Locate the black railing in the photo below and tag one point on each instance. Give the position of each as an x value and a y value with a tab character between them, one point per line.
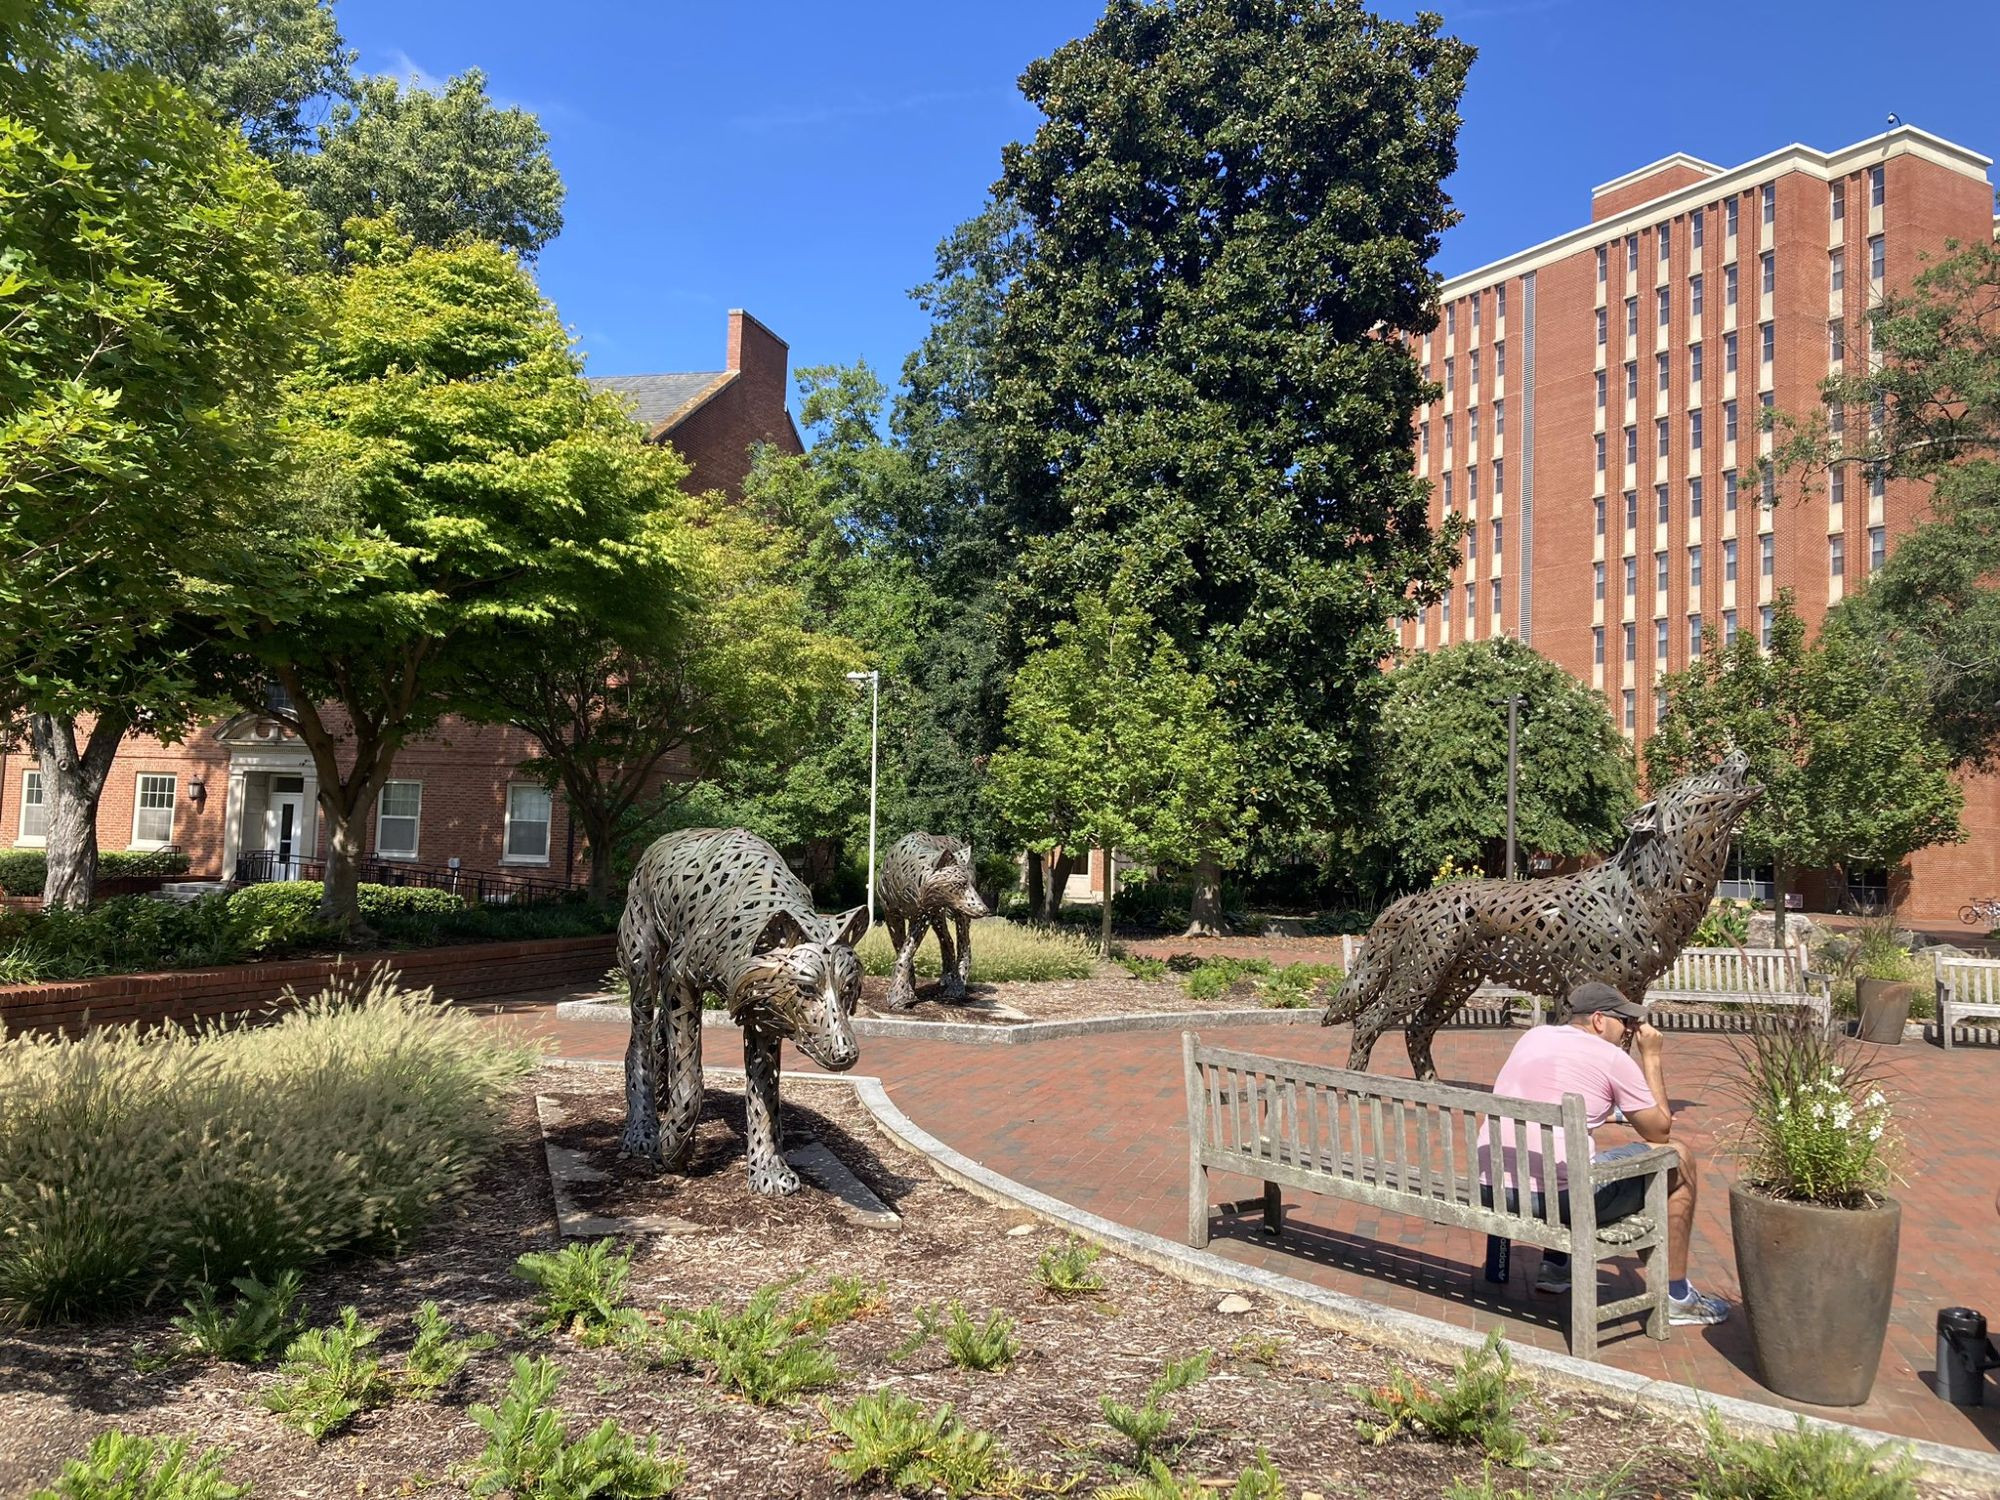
479	887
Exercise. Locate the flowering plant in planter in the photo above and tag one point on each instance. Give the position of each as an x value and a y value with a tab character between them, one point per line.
1817	1126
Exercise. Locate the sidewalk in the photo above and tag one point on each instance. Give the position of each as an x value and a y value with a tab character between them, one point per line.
1098	1122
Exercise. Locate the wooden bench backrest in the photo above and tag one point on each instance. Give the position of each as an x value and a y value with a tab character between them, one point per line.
1394	1136
1743	971
1974	981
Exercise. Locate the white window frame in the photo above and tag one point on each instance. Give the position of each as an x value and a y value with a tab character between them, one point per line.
139	806
416	821
22	838
548	823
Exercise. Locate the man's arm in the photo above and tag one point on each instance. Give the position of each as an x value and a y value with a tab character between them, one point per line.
1654	1125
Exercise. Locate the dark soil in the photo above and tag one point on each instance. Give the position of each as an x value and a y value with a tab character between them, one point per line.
1111	991
1277	1383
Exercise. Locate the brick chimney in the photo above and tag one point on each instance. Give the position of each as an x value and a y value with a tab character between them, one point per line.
760	359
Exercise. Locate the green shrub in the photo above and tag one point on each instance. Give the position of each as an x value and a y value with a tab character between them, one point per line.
1474	1404
969	1344
259	1323
1218	976
330	1377
913	1451
24	872
1302	986
123	1467
530	1455
1144	1425
845	1298
1001	951
581	1288
756	1352
121	935
438	1355
1614	1486
1140	967
1261	1481
1805	1464
1726	924
1065	1270
132	1160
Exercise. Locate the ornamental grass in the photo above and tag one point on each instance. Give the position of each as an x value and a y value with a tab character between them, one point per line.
1001	951
1817	1127
138	1162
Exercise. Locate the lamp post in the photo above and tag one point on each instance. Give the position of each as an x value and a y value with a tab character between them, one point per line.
1513	701
874	681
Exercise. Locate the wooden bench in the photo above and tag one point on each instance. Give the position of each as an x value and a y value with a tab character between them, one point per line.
1966	987
1744	976
1413	1148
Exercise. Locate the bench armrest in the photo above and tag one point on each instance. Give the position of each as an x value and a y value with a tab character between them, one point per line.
1633	1166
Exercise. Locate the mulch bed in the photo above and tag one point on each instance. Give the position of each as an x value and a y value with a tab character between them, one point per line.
1110	991
1277	1383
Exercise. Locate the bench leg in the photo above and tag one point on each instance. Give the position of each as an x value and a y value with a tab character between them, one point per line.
1944	1027
1197	1225
1274	1209
1499	1259
1582	1304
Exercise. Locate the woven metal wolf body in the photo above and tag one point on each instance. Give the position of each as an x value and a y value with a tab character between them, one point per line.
717	911
1621	922
926	880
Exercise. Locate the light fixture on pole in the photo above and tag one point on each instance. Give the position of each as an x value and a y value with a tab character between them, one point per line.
874	681
1513	704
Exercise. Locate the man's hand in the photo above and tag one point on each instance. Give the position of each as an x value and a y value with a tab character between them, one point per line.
1648	1040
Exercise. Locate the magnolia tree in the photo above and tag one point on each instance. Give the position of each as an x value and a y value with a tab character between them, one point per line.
1113	743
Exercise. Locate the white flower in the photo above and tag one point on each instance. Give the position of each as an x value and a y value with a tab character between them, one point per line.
1876	1099
1818	1110
1838	1072
1875	1131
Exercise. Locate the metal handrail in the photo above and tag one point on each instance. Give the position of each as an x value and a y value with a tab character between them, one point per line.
479	887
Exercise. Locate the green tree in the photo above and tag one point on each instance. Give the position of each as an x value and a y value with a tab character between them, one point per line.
1113	743
146	316
466	495
1440	762
269	67
1923	403
1202	370
445	165
1836	735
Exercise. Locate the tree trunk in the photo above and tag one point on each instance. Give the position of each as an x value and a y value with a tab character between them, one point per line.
346	800
598	835
72	783
1110	889
1205	902
1059	875
1038	898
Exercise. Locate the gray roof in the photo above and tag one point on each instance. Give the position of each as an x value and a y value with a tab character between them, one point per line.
654	398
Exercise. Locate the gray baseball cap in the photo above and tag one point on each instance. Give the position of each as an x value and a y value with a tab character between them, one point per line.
1595	996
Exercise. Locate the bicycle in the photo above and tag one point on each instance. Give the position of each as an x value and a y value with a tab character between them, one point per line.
1980	913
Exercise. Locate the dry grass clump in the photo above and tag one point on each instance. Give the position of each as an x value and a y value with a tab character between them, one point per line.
132	1161
1001	951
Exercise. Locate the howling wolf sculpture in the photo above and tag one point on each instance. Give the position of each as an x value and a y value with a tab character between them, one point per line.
717	911
926	880
1621	922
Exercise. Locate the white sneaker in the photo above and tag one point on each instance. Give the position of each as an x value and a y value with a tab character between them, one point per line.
1698	1307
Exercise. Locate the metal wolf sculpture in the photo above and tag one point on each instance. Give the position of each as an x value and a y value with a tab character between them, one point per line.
925	879
716	911
1622	922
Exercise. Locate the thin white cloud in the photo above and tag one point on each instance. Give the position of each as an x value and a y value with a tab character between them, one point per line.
405	69
861	109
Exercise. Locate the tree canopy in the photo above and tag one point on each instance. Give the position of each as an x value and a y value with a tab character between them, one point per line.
1200	375
1440	759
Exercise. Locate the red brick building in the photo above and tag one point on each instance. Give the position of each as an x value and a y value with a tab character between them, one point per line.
241	793
1600	421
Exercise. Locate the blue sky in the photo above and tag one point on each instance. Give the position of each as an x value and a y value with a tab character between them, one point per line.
802	160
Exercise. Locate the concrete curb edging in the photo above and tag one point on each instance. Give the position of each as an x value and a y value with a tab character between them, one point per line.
1410	1332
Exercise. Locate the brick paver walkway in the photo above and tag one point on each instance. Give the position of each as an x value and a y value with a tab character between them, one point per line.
1097	1121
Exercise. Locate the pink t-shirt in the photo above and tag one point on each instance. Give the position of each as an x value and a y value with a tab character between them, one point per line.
1548	1062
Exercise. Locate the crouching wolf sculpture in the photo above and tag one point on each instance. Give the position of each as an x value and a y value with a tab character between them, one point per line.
925	879
1622	922
716	911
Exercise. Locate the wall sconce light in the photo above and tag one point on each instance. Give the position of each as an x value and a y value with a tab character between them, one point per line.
198	792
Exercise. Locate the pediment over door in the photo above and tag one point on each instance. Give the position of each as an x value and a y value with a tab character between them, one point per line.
257	732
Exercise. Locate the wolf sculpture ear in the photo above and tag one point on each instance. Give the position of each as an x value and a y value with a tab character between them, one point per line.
1645	820
946	859
781	930
846	929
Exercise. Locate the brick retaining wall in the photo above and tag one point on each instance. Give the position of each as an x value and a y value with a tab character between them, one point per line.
463	972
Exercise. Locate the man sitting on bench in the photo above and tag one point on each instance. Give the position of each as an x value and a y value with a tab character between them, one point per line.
1590	1056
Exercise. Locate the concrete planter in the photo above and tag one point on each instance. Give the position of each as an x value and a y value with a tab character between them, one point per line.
1817	1284
1884	1005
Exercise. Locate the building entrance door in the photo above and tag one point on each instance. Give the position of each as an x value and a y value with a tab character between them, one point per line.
284	826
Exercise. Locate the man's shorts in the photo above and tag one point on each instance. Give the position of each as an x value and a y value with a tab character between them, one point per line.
1614	1200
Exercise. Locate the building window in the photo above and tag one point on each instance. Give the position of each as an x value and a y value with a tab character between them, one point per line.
1451	321
1839	201
1631	578
1836	418
1660	572
1600	390
1729	491
1601	324
1769	487
1600	265
1694	364
1471	606
1660	436
1836	339
1729	218
1767	341
1665	236
396	815
1694	296
1444	610
1694	635
1767	554
1694	498
1694	570
1499	419
1472	371
1500	303
1631	710
1661	367
1447	438
1631	380
1497	532
1729	353
1770	271
1597	508
1875	187
1665	299
1836	555
1770	202
1878	548
34	824
1600	452
1597	581
1836	269
153	812
1471	491
1597	645
1694	431
1631	317
528	824
1447	494
1694	229
1476	300
1728	628
1836	485
1660	507
1765	616
1631	643
1450	377
1631	253
1660	644
1471	544
1631	510
1500	361
1729	286
1875	258
1472	426
1729	561
1424	440
1495	586
1729	421
1499	479
1631	447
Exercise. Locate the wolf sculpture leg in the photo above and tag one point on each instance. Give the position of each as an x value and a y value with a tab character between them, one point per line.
948	960
1444	1003
639	956
903	983
964	925
763	1138
680	1088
